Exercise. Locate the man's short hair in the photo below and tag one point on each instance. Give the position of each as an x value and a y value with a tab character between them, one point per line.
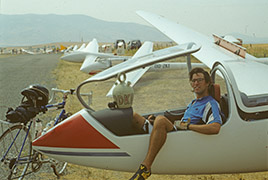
200	70
207	77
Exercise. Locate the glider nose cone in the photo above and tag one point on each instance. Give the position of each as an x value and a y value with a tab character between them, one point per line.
74	132
73	56
66	57
86	68
92	67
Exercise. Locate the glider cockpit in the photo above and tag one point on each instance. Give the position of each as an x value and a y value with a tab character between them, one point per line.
249	95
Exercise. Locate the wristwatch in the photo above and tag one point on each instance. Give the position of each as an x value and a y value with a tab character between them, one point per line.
188	126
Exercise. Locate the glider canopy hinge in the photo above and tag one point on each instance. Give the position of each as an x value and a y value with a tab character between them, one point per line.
230	46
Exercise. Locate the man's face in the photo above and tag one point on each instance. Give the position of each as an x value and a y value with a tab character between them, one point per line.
199	85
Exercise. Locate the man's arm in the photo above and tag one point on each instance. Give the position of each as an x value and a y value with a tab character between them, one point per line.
212	119
213	128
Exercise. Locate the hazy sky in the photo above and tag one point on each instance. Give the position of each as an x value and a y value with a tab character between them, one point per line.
248	17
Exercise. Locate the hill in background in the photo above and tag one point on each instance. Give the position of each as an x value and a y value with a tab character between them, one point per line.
33	29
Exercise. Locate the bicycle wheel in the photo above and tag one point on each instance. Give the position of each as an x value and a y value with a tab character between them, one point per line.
10	166
58	167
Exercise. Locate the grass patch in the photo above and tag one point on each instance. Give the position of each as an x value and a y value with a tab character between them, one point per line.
257	50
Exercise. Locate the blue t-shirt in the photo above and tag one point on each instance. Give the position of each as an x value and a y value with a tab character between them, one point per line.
205	110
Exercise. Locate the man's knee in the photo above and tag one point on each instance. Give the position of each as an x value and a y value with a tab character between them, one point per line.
163	122
160	121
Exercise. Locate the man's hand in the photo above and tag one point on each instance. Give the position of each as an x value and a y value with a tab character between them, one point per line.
181	125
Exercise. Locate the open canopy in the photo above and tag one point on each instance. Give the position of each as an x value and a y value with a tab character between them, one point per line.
140	62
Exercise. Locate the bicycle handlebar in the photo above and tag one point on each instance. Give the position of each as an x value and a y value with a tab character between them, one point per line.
67	92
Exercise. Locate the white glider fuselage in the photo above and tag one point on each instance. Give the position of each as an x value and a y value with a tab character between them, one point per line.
241	145
74	56
88	137
93	61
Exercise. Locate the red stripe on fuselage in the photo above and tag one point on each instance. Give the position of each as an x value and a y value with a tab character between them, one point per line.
75	133
93	72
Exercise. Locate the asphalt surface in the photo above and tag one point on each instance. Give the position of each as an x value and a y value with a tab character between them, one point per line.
19	71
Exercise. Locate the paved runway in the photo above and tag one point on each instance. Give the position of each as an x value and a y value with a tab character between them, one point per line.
19	71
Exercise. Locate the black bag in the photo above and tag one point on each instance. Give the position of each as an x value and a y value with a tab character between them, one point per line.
22	113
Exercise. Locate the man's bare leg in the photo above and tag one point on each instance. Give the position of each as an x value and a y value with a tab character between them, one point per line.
138	121
157	139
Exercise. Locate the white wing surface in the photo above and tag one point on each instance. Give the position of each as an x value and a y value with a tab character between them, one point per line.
92	49
140	62
144	61
28	52
134	76
241	65
209	53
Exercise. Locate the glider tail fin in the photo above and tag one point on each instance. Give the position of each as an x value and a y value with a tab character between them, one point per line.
82	47
62	48
146	48
92	46
134	76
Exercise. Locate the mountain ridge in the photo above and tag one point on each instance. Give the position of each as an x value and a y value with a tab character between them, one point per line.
30	29
33	29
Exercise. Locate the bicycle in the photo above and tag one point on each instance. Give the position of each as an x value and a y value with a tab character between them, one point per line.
16	151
